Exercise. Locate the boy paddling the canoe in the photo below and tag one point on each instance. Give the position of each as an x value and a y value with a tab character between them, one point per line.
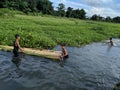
17	46
64	54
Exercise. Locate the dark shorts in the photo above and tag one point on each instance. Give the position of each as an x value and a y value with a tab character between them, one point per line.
65	57
16	53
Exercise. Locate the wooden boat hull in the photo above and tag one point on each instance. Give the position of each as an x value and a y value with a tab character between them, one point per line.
30	51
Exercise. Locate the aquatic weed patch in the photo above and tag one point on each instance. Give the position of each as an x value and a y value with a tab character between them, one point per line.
47	32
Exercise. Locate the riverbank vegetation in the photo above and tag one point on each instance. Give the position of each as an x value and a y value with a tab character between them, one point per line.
117	87
44	7
48	31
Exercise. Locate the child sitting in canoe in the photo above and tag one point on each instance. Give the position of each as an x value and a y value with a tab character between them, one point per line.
17	46
64	54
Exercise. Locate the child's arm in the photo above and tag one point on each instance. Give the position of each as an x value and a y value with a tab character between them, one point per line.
21	49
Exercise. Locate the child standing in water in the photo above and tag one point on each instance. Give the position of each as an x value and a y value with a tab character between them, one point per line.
17	46
111	42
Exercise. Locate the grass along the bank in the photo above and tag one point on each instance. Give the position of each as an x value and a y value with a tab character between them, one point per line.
45	32
117	87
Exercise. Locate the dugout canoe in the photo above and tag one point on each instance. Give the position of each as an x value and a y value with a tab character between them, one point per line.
50	54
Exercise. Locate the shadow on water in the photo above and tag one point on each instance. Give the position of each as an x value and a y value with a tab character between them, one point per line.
92	67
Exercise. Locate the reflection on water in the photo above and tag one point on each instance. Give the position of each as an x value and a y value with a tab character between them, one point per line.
93	67
16	61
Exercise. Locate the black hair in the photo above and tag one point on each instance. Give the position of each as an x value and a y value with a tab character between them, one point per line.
63	44
17	35
110	38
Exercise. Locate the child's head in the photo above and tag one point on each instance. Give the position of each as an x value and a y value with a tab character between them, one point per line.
110	38
17	36
62	45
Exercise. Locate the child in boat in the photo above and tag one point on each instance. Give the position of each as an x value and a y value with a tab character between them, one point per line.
64	54
17	46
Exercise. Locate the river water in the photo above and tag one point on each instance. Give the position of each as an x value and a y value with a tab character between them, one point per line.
92	67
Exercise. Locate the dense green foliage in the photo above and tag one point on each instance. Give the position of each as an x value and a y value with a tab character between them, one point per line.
75	13
61	10
6	13
44	6
96	17
117	87
46	32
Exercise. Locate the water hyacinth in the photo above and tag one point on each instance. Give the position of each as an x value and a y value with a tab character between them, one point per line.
47	32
